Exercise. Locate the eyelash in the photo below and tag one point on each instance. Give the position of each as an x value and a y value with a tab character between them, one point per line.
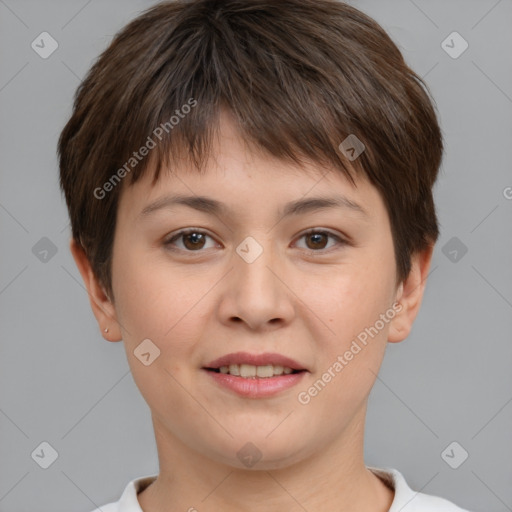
168	243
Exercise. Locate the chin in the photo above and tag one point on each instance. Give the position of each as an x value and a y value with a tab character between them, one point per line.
260	453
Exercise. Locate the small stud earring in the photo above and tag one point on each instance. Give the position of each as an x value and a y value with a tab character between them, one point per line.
106	329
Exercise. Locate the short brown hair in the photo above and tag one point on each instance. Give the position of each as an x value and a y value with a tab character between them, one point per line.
299	76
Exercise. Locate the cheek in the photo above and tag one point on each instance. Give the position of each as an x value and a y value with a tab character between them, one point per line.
351	301
350	305
350	352
158	302
154	303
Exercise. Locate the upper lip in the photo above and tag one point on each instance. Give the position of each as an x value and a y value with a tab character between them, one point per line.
255	359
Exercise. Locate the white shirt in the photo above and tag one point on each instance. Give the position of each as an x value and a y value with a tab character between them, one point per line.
405	500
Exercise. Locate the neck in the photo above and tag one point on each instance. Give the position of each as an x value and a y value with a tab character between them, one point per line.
333	478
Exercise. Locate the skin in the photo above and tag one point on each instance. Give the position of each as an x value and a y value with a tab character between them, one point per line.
292	300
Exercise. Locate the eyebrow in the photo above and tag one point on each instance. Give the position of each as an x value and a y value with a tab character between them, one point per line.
214	207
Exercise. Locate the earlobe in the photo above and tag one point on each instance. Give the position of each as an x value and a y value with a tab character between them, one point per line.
410	295
101	306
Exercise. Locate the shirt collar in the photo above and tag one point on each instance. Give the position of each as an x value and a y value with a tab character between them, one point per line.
391	477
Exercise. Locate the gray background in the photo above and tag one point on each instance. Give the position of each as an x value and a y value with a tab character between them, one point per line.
60	382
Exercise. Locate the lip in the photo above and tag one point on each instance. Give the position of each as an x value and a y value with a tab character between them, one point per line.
255	360
256	387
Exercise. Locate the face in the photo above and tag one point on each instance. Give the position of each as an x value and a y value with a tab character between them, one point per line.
258	277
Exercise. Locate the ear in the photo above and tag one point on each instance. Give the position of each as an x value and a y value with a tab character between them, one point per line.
101	305
410	295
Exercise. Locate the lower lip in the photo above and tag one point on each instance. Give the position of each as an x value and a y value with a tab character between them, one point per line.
256	387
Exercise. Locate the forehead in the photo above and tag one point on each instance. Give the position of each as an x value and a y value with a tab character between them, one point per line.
238	175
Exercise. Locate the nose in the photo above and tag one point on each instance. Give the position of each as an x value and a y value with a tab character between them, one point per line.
258	291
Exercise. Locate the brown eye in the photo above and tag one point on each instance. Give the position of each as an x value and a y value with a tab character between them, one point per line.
193	240
317	240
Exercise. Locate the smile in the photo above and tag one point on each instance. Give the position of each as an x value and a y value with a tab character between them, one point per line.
253	385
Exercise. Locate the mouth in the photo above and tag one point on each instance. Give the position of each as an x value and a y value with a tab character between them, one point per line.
255	381
256	375
255	366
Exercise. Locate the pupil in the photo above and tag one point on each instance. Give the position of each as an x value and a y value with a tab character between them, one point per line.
316	238
195	237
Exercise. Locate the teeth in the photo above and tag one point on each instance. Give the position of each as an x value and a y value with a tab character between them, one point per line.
247	370
250	371
278	370
264	371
